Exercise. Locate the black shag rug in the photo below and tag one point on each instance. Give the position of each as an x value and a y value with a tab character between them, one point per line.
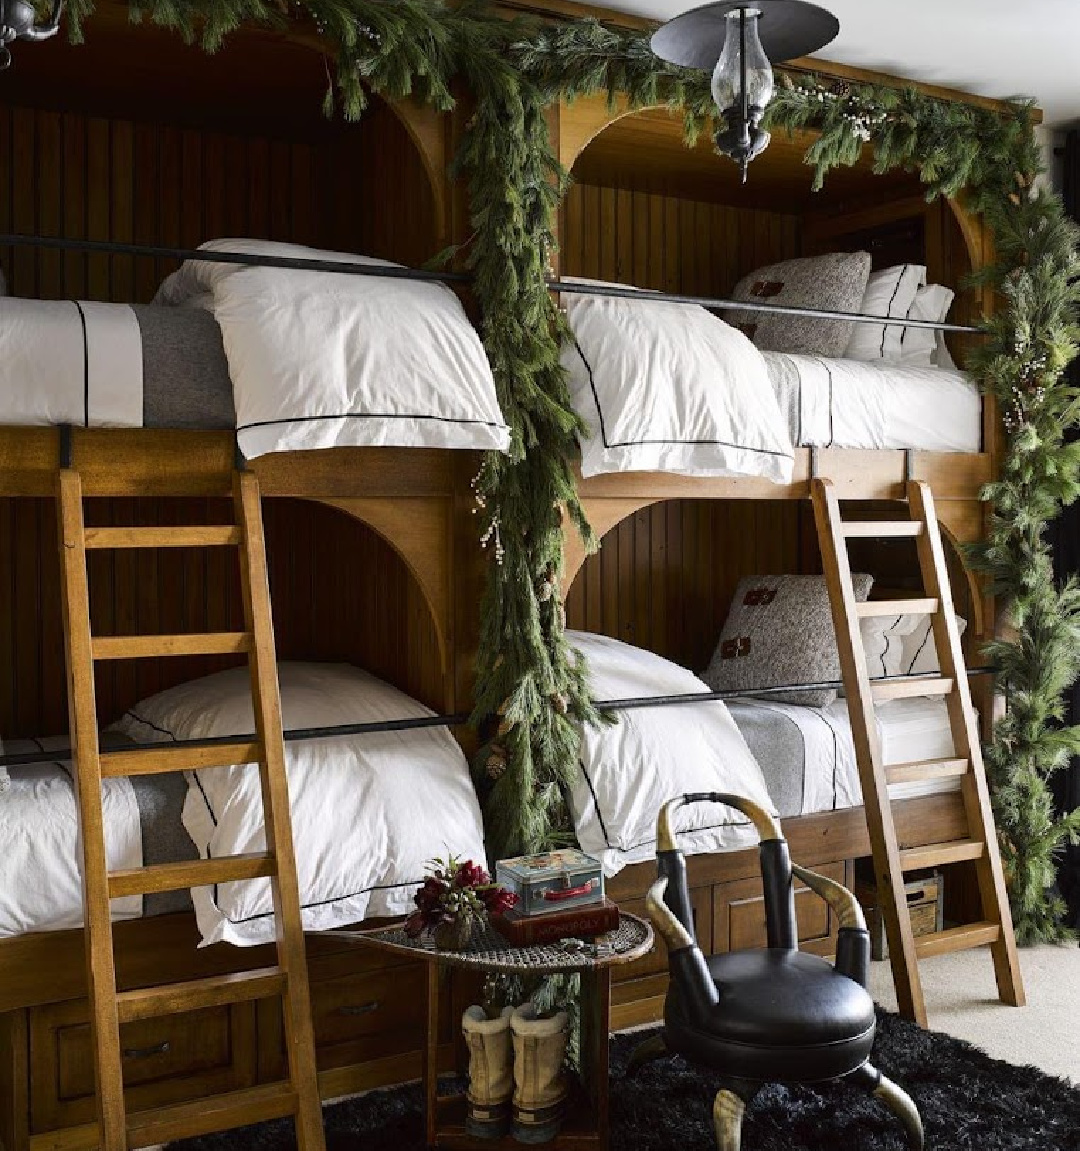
968	1102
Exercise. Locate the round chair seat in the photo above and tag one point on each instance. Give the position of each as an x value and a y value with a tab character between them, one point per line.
782	1015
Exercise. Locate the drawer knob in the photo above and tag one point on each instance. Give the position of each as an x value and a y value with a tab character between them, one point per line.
162	1048
359	1008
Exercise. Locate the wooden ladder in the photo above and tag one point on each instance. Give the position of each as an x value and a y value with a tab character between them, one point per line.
891	861
298	1095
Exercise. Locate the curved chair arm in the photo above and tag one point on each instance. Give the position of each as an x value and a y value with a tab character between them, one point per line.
853	940
775	866
687	965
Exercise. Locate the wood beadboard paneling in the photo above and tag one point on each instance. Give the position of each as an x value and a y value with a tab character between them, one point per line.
101	178
672	245
339	593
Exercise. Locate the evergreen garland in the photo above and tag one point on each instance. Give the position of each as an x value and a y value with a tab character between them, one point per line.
512	70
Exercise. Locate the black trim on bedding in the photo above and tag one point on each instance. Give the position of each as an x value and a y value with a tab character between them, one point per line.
214	820
634	846
888	644
86	365
888	310
369	416
832	401
56	762
644	443
922	648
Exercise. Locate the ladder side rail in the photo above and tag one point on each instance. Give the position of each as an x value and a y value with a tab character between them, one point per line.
266	696
82	716
975	788
886	852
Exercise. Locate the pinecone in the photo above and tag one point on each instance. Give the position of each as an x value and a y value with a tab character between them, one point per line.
496	764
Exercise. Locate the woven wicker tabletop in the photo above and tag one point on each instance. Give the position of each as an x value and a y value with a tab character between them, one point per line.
632	939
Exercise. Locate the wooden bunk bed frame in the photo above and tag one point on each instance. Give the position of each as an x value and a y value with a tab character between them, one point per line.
367	1009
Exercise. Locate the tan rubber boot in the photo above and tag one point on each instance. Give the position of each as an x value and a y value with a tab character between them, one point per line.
539	1080
491	1081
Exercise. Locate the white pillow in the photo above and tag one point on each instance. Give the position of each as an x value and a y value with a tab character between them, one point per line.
890	292
368	811
918	346
920	652
670	387
319	360
628	770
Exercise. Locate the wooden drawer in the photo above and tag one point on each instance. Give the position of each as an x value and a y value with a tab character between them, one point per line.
167	1060
739	914
360	1012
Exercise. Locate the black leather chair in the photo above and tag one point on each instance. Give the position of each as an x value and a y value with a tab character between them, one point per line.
773	1014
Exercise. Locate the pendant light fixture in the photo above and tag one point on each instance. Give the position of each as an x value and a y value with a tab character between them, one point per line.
18	21
739	43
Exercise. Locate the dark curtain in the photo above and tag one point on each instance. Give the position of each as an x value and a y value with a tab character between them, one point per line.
1064	536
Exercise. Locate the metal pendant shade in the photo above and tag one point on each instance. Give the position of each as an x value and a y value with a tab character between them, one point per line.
787	28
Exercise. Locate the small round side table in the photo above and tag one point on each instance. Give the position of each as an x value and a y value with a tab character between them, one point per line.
585	1127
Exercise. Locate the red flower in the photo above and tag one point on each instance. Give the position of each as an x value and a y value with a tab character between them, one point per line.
471	874
498	900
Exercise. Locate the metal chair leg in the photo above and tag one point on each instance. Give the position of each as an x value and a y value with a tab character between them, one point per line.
728	1110
648	1052
898	1101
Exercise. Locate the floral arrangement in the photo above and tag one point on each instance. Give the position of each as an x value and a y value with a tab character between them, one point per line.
456	897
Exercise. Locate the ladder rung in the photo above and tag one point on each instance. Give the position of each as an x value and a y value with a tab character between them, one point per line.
195	643
882	529
927	769
961	938
161	760
214	1113
938	854
190	873
883	607
198	536
907	688
214	991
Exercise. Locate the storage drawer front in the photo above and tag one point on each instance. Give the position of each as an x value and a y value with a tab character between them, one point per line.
739	914
360	1013
655	962
168	1060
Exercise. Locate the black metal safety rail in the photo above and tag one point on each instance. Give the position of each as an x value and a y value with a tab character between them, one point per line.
459	719
393	272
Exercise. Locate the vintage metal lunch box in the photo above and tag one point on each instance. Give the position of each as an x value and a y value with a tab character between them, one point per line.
553	881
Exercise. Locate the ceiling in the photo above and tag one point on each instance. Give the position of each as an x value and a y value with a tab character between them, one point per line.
991	47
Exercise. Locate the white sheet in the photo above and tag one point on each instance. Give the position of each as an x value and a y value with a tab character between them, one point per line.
67	362
368	811
628	770
669	387
321	360
40	856
910	730
875	404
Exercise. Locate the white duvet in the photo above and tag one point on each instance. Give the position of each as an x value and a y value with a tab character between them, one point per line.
320	360
875	404
670	387
40	855
368	811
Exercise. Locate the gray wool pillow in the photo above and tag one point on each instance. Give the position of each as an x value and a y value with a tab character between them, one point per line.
834	282
779	630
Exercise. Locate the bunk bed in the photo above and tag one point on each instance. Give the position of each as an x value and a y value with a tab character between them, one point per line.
390	530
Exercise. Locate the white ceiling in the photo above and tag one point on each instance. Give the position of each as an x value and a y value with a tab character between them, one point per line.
991	47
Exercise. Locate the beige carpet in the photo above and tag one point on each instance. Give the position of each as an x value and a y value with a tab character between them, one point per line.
961	999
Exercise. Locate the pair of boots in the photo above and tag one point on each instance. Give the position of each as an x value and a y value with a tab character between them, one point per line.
536	1050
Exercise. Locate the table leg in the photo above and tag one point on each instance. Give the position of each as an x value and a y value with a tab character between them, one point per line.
595	1031
430	1061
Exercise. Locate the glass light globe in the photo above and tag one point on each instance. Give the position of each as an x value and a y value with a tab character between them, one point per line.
727	76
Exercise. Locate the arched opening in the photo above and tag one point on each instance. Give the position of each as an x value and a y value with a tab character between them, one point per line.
340	592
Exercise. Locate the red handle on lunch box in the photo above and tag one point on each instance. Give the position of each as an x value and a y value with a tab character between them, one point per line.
571	892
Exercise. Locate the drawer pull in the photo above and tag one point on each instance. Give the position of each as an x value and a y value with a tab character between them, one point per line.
359	1008
162	1048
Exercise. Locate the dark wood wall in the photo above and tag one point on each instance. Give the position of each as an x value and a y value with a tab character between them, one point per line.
339	593
109	178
